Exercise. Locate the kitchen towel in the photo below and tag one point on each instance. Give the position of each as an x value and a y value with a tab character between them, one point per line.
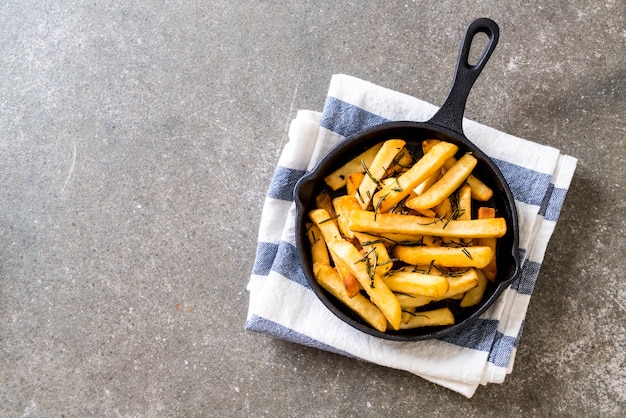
283	305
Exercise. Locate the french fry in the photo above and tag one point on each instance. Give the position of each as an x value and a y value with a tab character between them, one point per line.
384	223
435	317
491	269
459	284
325	223
444	209
409	239
343	206
353	182
417	284
375	172
350	283
330	232
400	164
464	207
319	251
375	250
428	144
373	285
337	179
485	212
328	278
464	203
474	296
408	302
323	201
480	191
464	257
447	184
425	185
432	161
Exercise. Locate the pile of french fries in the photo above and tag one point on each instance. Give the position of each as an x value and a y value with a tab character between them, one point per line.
398	235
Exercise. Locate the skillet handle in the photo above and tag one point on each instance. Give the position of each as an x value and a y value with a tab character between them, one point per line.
450	115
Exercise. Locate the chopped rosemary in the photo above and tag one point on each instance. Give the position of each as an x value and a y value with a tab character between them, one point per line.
416	314
329	219
374	242
448	220
380	201
467	253
358	194
396	160
400	205
416	243
390	261
371	269
369	174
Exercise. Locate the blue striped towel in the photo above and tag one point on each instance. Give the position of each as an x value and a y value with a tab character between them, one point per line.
283	305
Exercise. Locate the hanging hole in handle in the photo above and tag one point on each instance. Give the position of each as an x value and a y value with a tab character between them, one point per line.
477	48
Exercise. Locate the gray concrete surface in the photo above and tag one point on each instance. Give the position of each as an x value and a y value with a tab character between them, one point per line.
137	140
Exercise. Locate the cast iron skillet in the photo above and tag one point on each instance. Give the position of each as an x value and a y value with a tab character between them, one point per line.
446	125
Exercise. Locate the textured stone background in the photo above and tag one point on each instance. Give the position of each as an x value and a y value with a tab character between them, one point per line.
137	140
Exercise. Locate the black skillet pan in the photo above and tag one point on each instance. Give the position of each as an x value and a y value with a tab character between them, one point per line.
446	125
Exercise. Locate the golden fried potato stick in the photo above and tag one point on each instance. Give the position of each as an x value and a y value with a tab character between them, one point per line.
385	223
323	201
401	163
409	302
435	317
374	248
417	284
343	206
458	284
373	285
328	278
376	171
337	179
326	224
353	182
477	257
431	162
425	185
446	185
444	209
480	191
474	296
329	232
490	269
319	251
464	203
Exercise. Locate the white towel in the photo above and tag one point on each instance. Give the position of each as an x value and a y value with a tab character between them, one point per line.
283	305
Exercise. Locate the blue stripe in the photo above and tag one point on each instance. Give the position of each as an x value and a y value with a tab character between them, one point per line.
527	186
543	209
265	326
265	255
288	265
525	282
478	335
554	204
283	183
502	349
346	119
